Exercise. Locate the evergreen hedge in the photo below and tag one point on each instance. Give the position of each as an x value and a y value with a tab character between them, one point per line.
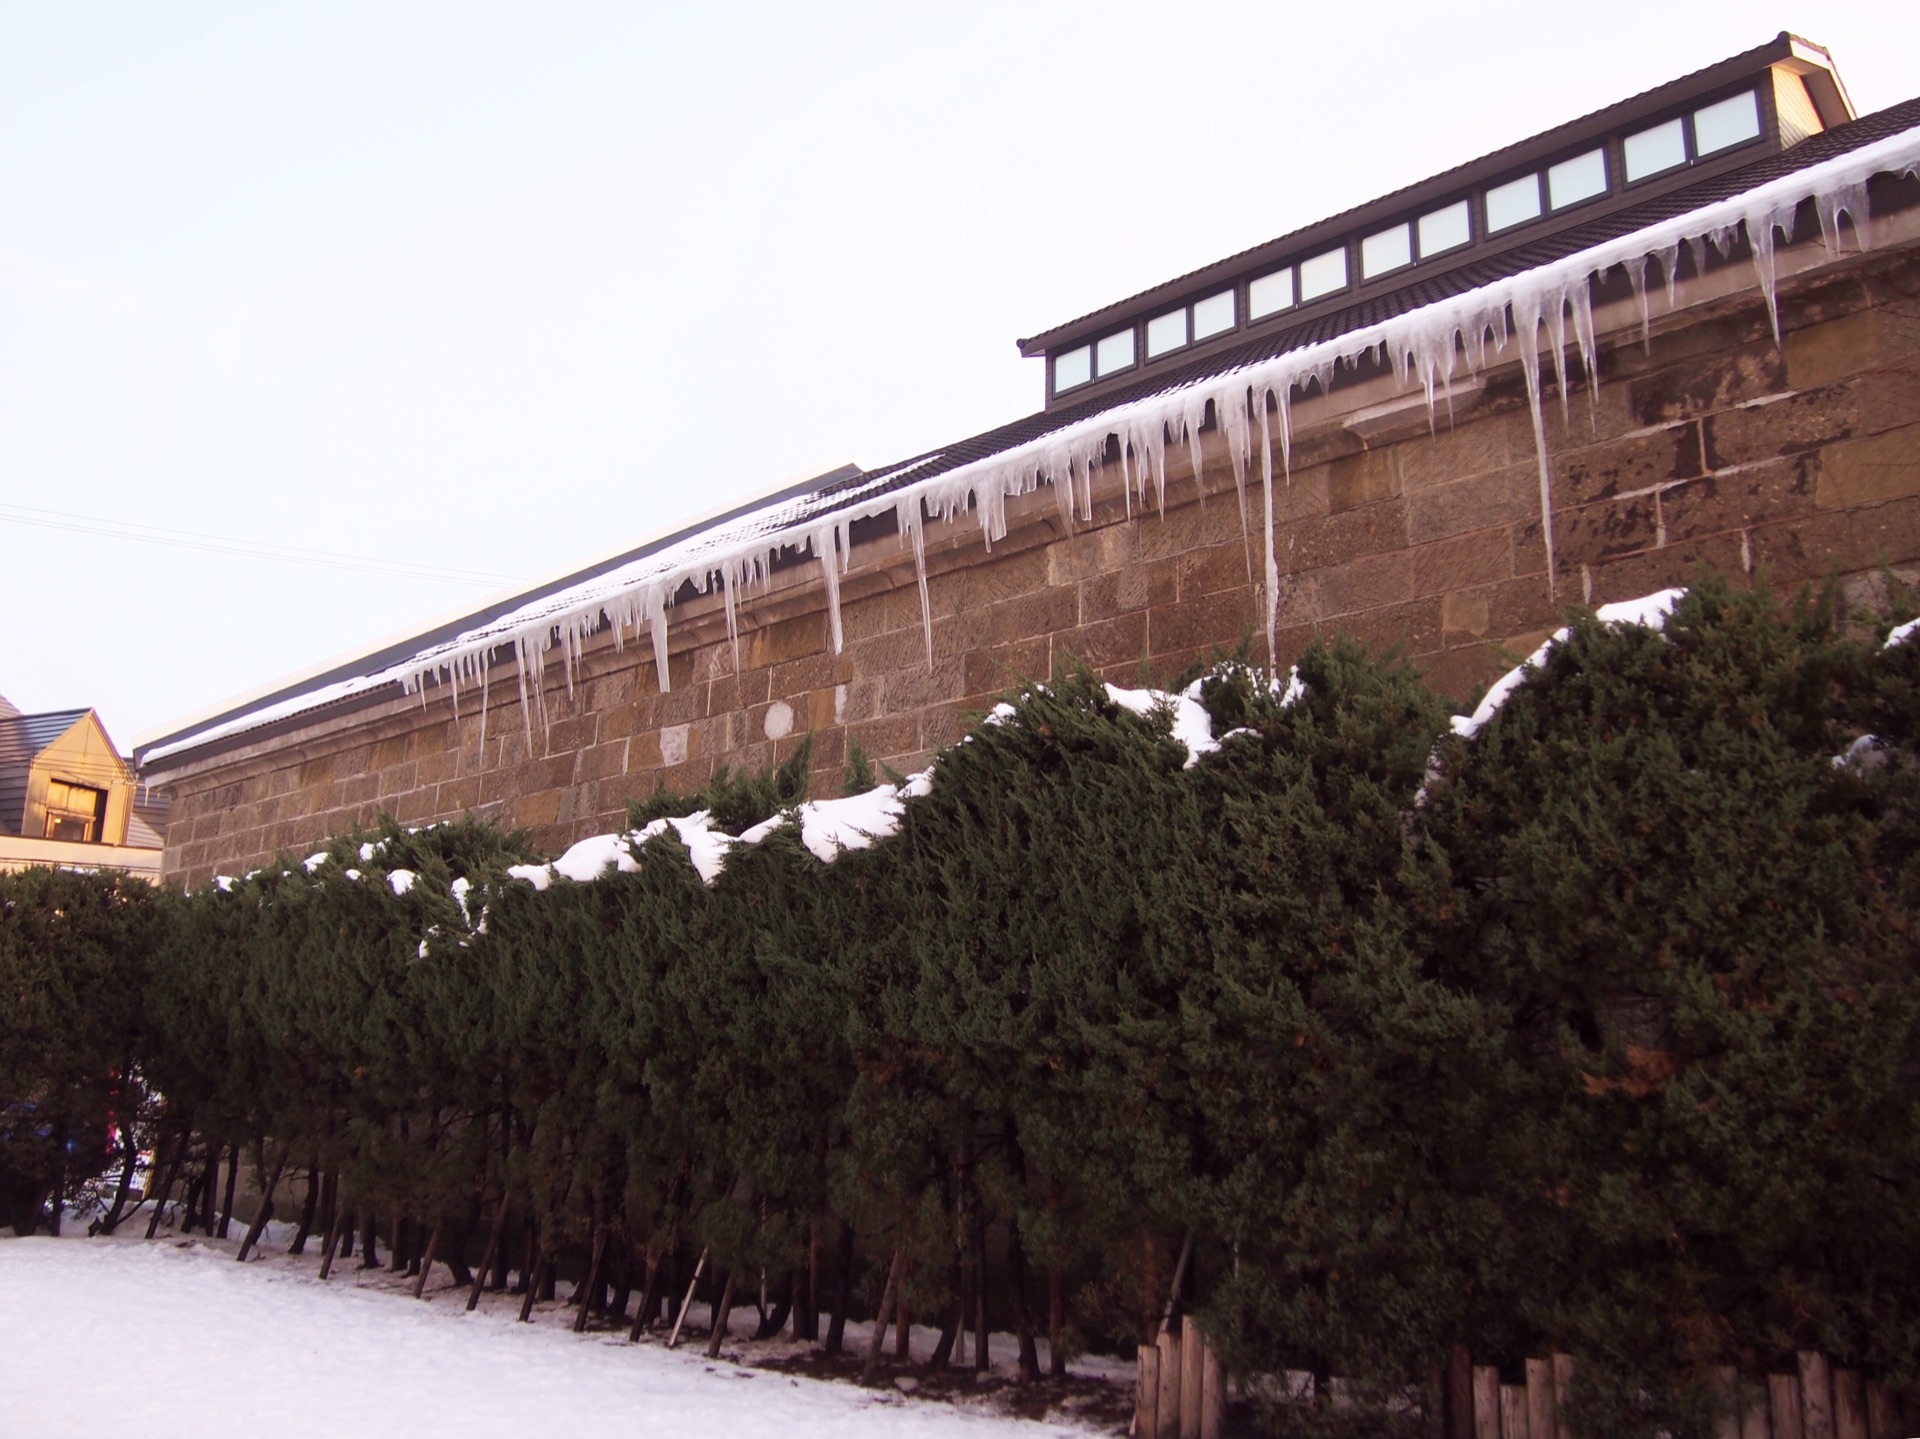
1598	1031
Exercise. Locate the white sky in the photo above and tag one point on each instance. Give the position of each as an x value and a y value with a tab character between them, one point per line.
500	288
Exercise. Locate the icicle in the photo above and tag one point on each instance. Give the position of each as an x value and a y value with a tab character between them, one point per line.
486	669
1637	274
1273	563
918	531
1526	323
1581	301
657	619
731	605
823	546
1238	429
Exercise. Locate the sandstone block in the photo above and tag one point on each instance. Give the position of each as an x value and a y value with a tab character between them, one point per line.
1362	479
1859	472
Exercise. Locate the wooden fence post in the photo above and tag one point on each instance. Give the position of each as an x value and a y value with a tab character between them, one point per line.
1514	1418
1146	1394
1562	1395
1540	1399
1213	1396
1486	1402
1193	1346
1883	1418
1849	1405
1816	1396
1168	1406
1726	1386
1459	1395
1783	1403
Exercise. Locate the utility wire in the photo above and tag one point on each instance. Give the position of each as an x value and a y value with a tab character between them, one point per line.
251	549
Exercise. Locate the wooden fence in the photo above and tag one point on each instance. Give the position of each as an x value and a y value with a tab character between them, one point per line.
1182	1394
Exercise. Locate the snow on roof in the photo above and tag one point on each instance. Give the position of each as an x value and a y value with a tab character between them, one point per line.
1425	346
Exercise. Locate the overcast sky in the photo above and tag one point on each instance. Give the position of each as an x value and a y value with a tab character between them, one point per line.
496	288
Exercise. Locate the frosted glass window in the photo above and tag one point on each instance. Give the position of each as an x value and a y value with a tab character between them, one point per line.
1446	229
1323	274
1513	202
1114	353
1733	120
1213	315
1580	178
1662	148
1388	250
1166	332
1270	294
1075	367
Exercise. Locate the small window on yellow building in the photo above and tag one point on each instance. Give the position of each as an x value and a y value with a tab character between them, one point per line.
74	812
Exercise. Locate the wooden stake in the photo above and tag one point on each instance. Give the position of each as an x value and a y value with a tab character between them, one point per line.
1849	1405
687	1303
1146	1394
1540	1398
1783	1404
1562	1394
1515	1421
1168	1407
1486	1402
1459	1393
1192	1362
1816	1396
1213	1395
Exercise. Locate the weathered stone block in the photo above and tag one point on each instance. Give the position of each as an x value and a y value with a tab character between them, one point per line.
1752	495
1708	383
1831	351
1859	472
1619	467
1109	642
1362	479
1464	612
1470	559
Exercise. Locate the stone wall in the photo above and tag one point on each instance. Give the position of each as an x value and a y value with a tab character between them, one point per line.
1705	444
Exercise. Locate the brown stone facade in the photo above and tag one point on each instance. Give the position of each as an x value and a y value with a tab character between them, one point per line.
1707	443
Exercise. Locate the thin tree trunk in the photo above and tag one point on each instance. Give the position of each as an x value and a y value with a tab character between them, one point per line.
888	1296
118	1212
1017	1293
59	1180
426	1260
494	1236
842	1290
369	1252
687	1303
775	1319
264	1213
233	1177
650	1296
308	1208
982	1357
622	1281
166	1185
903	1319
335	1231
590	1285
806	1318
541	1268
457	1245
721	1315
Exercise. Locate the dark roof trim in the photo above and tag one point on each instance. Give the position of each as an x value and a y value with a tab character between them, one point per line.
1524	154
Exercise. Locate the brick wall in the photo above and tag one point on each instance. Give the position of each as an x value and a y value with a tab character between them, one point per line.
1709	444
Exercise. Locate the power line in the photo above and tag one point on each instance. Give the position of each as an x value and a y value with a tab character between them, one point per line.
250	549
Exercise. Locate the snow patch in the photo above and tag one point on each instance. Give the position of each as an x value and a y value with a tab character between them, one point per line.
1901	634
400	880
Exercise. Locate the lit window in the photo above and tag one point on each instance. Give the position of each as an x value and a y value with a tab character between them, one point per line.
1323	274
1166	332
1073	368
1114	353
1513	202
1651	151
74	812
1270	294
1213	315
1580	178
1446	229
1388	250
1732	121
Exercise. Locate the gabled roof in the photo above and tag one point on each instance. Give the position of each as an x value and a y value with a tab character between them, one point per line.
22	738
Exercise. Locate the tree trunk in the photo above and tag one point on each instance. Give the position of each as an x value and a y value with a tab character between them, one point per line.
457	1244
842	1290
1017	1294
369	1254
535	1282
721	1314
806	1314
166	1185
687	1303
308	1208
888	1297
494	1246
775	1319
649	1296
339	1228
590	1283
233	1177
622	1281
264	1215
982	1354
426	1260
117	1212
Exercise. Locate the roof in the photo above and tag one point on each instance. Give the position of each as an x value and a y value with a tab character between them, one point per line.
22	738
633	591
1828	94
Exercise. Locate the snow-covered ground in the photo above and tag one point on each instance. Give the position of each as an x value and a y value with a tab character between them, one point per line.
174	1338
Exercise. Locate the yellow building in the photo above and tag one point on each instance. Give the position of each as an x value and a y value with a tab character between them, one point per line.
68	799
